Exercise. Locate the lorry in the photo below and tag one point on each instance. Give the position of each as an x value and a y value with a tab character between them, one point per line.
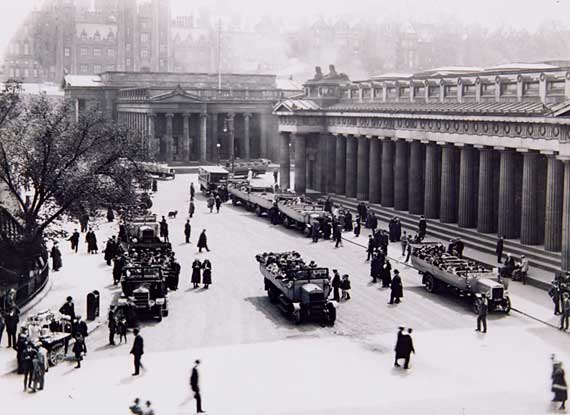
464	276
156	170
296	212
144	293
241	167
210	177
257	197
300	291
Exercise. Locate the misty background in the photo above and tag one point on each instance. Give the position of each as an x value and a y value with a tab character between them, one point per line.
361	37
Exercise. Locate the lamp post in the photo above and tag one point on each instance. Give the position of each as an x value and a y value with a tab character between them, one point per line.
229	128
218	145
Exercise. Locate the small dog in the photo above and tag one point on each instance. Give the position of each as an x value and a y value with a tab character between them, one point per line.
172	214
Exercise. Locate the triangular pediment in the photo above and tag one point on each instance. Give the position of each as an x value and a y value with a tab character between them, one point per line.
293	105
177	95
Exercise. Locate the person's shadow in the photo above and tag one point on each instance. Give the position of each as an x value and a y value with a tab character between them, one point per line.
186	401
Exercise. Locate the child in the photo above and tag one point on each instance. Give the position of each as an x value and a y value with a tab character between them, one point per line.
122	330
345	287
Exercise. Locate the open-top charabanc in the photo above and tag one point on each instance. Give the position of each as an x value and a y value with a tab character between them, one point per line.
301	291
467	277
300	213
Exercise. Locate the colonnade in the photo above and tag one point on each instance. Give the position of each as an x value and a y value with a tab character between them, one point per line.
499	190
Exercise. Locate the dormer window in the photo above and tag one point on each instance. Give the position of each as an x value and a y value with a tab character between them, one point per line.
97	35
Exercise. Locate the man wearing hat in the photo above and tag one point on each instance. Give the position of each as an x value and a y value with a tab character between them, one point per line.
195	385
336	285
523	267
482	313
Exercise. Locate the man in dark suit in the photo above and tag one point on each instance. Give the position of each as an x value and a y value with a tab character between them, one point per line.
137	351
407	347
499	249
68	308
482	313
195	385
396	291
336	285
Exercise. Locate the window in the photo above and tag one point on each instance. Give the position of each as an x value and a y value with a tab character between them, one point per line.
450	91
508	88
144	53
83	51
66	52
96	51
530	88
145	37
488	89
84	68
111	53
110	68
97	68
26	72
26	48
468	90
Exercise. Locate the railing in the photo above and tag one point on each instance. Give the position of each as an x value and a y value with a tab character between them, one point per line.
142	94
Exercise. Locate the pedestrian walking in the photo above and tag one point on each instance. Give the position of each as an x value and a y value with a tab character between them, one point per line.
404	243
559	386
375	268
422	228
408	248
118	265
396	289
345	287
187	231
55	255
211	202
192	191
39	368
196	269
84	222
27	356
499	248
122	329
565	314
207	273
315	230
191	208
110	250
195	386
112	325
338	235
336	285
370	247
12	318
218	202
357	227
74	239
79	328
110	215
404	348
203	241
79	350
386	274
91	240
482	311
137	351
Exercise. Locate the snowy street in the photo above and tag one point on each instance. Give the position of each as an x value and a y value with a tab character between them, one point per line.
255	361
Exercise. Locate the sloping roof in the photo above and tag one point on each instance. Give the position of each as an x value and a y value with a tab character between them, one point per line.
485	108
82	80
519	66
292	105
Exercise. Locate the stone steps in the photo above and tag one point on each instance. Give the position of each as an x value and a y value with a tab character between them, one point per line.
538	258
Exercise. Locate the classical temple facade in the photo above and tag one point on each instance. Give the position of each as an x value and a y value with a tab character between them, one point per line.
487	149
187	117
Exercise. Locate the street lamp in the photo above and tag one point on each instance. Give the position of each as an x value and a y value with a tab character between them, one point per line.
229	128
218	145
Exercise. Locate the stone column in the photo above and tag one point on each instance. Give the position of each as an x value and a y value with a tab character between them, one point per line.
203	135
300	163
340	163
185	137
375	170
553	213
285	162
152	147
330	169
351	166
506	211
168	138
485	200
416	178
231	134
529	208
387	196
566	218
432	181
215	139
363	168
401	176
321	161
246	145
266	132
467	215
448	197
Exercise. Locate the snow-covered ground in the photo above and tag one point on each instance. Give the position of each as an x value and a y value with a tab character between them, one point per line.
255	361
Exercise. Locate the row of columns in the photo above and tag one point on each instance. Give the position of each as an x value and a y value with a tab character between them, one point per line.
490	189
145	123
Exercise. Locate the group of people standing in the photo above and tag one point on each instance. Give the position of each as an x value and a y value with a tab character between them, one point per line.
201	273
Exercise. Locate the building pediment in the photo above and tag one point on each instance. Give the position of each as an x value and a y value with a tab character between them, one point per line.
292	105
177	95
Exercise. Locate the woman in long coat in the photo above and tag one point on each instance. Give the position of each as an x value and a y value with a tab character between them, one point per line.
397	290
203	241
385	274
91	240
559	386
56	257
196	267
207	274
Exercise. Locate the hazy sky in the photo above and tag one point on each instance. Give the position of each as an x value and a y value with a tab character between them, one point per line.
492	13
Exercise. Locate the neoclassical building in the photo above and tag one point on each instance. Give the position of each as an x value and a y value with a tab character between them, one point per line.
186	116
484	150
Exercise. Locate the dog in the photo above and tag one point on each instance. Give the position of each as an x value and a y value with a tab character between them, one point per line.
172	214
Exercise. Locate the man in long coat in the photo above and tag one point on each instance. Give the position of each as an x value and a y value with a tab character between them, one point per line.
74	239
110	250
375	268
196	270
91	240
187	231
499	249
396	289
406	348
195	386
137	351
422	227
203	241
56	257
336	285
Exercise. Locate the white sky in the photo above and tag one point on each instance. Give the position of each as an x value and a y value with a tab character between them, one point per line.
491	13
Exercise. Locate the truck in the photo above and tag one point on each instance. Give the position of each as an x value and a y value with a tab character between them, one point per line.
257	197
210	177
301	292
156	170
464	276
295	212
241	167
144	293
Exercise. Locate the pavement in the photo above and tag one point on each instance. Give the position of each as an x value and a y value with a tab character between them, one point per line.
255	361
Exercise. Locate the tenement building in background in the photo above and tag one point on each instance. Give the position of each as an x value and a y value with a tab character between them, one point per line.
186	116
477	152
